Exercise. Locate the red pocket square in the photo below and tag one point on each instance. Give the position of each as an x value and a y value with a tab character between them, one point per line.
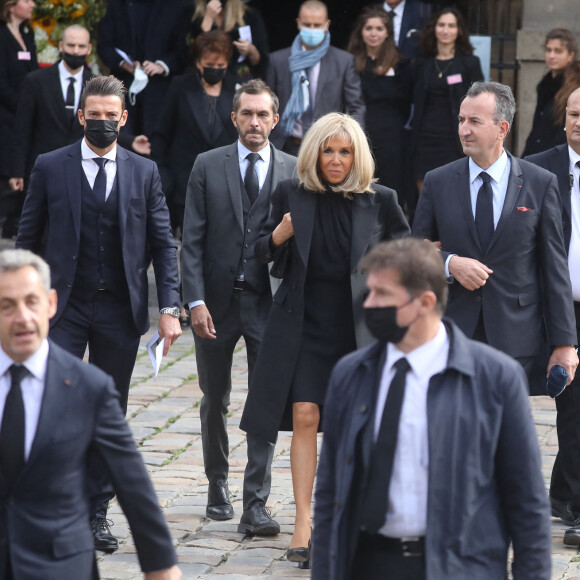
522	208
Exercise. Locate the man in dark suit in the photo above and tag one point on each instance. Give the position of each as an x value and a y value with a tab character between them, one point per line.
152	35
499	223
409	18
54	412
565	484
396	498
48	104
312	78
98	216
228	291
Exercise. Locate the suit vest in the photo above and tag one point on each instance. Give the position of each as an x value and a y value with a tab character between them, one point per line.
255	216
100	264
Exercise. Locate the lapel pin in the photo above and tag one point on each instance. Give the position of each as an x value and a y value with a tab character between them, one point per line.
67	382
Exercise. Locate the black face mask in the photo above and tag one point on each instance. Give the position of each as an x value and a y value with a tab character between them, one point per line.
74	61
382	323
101	133
213	76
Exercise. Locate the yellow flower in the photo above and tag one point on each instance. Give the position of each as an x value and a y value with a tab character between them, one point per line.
79	11
47	23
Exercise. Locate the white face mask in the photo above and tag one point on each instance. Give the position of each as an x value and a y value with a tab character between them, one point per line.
140	80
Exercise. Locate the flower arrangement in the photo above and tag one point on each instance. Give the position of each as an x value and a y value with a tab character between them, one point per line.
51	17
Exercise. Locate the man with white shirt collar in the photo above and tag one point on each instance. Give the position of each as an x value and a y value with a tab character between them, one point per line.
430	463
499	223
409	18
563	161
55	411
98	216
228	291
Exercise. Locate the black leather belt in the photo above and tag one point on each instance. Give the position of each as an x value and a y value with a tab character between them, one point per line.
412	547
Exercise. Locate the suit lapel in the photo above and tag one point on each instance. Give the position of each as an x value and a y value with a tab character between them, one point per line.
125	170
55	99
462	188
233	179
194	97
302	209
57	384
515	184
364	218
73	171
322	80
560	166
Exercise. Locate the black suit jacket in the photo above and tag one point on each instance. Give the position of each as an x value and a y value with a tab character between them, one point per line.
415	16
53	202
183	131
375	218
557	160
466	65
43	122
338	89
44	521
213	228
530	281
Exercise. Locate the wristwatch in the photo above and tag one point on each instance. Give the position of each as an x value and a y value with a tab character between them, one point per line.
174	311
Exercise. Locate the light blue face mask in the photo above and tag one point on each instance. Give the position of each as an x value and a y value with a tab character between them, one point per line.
312	36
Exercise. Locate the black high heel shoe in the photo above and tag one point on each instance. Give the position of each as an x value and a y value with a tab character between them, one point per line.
300	555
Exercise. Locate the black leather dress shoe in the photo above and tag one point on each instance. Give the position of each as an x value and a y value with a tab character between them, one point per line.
104	540
563	510
218	502
572	536
256	521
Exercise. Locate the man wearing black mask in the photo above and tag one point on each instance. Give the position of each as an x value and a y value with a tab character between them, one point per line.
48	104
97	214
430	463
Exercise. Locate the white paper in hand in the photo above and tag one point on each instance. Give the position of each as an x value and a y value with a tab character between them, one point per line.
245	33
155	349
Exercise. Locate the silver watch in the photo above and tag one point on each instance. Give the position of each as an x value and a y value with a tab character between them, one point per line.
174	311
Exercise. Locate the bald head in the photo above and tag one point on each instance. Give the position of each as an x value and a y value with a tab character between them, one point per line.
313	6
75	46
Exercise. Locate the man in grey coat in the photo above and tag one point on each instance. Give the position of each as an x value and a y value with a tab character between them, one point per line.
430	464
312	78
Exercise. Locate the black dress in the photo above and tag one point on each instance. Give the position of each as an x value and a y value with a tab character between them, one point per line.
328	330
437	142
388	104
545	133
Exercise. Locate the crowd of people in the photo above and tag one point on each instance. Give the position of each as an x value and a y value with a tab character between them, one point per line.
295	180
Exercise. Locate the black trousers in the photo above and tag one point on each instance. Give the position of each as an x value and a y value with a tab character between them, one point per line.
372	562
565	483
246	316
104	323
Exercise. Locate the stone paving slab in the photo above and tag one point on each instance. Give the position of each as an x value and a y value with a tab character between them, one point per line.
164	416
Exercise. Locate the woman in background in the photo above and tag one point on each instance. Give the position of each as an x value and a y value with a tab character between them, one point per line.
387	86
17	59
563	77
447	69
249	59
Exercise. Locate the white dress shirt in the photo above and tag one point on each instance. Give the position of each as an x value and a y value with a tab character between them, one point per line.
397	18
32	387
574	250
91	168
64	82
407	506
500	174
262	166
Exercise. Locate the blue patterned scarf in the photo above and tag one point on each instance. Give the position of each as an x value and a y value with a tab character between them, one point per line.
300	62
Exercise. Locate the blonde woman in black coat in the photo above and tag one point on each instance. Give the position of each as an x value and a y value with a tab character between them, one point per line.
321	225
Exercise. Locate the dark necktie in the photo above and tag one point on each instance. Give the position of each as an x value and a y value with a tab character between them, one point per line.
251	180
12	431
376	498
484	212
100	186
70	96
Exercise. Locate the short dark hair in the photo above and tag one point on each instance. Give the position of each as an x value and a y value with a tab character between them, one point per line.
505	104
103	86
255	87
428	40
418	263
213	42
5	13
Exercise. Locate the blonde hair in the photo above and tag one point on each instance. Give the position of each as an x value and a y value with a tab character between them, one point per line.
360	176
233	12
